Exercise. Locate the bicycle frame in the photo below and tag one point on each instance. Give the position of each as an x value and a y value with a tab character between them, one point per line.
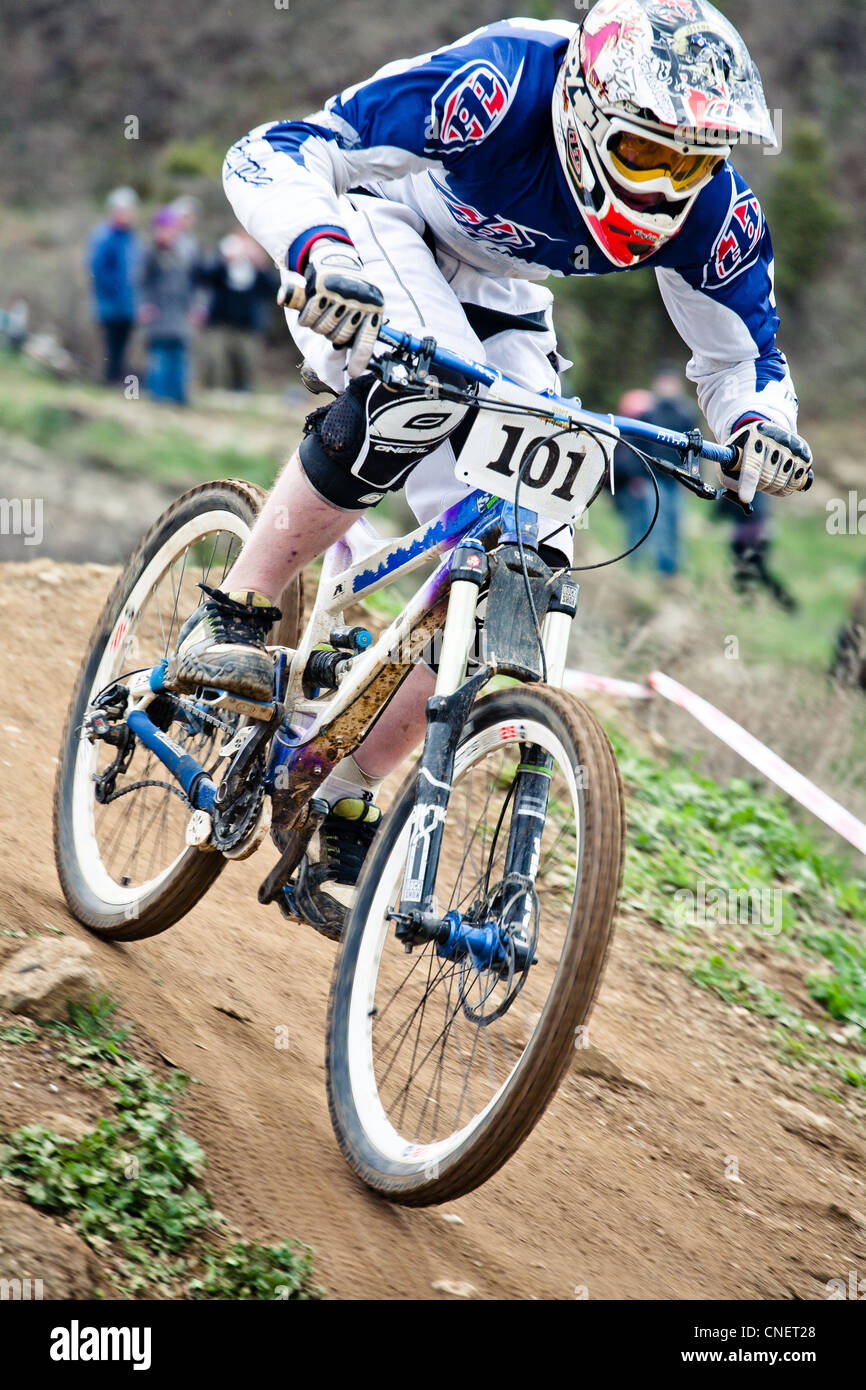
316	733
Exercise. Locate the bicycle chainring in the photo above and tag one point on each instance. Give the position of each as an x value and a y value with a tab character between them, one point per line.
232	823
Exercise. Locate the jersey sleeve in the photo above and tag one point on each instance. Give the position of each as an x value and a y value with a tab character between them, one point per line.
724	308
284	180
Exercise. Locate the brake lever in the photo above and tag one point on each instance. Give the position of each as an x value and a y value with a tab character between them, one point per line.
692	477
725	495
695	483
689	476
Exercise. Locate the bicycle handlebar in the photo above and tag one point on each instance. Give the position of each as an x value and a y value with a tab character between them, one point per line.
485	376
293	296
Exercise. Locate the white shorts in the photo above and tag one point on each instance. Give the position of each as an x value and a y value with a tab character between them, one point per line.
424	296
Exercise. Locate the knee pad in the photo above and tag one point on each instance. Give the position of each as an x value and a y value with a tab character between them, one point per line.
367	441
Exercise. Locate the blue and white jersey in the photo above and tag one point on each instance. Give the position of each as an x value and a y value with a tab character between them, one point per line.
464	137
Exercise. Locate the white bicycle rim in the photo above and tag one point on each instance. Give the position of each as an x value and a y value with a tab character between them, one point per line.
397	1148
112	662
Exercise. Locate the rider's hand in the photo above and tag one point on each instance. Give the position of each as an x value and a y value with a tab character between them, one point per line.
341	303
771	460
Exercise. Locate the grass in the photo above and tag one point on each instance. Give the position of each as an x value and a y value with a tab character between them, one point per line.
821	570
698	852
67	420
132	1185
166	454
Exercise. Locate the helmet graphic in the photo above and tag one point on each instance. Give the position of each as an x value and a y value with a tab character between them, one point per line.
648	102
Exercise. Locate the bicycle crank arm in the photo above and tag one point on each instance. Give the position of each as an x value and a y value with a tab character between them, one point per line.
235	778
297	839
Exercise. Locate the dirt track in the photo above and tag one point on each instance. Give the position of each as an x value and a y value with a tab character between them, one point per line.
621	1192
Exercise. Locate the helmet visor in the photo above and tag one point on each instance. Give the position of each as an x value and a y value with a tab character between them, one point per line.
638	161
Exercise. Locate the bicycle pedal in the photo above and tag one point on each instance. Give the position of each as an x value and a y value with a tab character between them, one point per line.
318	910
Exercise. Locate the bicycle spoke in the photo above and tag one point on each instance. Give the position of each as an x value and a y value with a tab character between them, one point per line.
445	1036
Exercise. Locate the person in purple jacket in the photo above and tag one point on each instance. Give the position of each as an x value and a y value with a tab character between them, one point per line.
444	191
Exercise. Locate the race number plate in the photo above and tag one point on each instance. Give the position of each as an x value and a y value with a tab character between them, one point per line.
561	478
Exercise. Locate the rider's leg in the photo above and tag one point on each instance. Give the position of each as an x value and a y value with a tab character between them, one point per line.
351	788
394	736
222	644
294	526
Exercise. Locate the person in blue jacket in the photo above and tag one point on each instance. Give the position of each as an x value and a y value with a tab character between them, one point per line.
443	191
113	260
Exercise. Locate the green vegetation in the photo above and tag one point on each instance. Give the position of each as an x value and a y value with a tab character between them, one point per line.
199	158
61	418
750	899
803	211
132	1186
802	549
244	1270
615	328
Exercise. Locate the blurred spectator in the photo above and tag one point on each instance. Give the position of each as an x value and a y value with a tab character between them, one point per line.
750	543
167	309
633	492
849	658
113	259
240	295
185	209
669	408
672	410
15	323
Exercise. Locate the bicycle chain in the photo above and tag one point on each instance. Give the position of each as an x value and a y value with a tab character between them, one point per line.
148	782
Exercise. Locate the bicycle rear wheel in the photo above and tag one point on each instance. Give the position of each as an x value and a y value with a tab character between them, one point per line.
124	865
439	1067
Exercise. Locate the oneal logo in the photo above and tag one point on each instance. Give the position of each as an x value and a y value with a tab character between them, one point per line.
76	1343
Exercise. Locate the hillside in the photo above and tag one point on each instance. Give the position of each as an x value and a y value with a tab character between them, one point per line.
196	78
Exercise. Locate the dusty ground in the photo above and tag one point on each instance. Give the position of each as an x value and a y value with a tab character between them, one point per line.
624	1190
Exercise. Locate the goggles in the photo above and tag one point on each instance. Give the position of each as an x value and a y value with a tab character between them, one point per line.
648	164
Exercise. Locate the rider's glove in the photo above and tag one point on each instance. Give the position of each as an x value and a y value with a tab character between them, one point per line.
771	460
340	302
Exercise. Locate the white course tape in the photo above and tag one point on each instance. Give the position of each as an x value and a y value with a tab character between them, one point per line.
764	759
585	680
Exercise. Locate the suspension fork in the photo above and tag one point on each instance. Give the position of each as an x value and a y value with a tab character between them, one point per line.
528	816
447	711
532	779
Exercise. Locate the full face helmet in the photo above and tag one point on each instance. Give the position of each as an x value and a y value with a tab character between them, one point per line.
648	103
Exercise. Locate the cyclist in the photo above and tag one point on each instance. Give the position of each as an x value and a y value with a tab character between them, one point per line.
444	190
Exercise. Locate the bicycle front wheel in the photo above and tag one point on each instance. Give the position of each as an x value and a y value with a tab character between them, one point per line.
439	1064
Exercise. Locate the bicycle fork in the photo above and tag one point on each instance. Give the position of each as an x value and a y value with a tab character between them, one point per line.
447	711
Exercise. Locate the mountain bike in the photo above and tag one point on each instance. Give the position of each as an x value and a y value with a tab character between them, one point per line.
483	915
